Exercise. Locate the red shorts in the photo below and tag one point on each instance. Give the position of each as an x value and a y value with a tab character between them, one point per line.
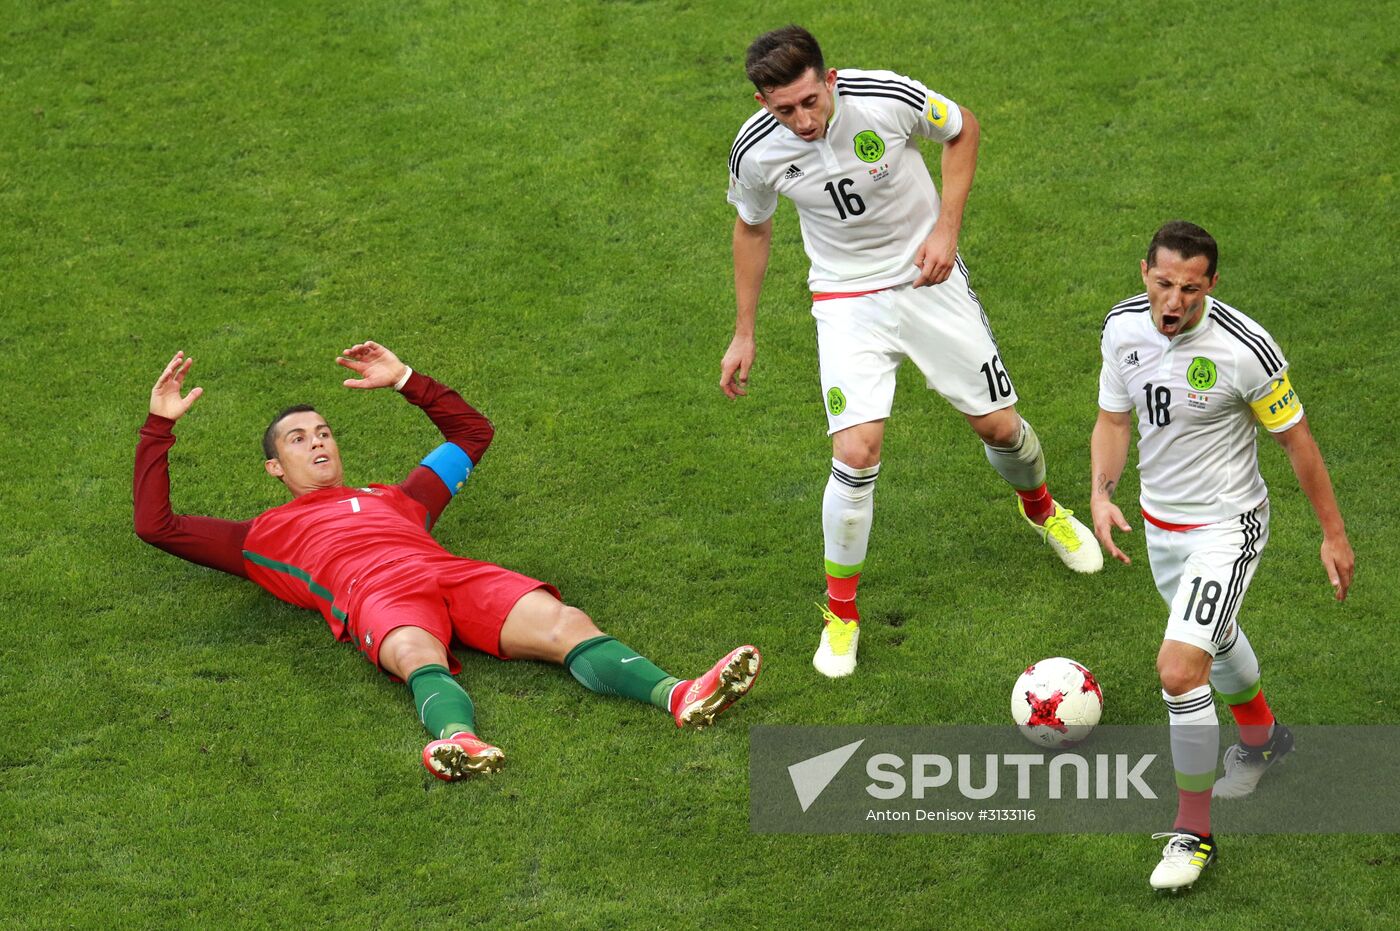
450	597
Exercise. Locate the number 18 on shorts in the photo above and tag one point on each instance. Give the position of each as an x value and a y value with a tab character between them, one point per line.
1204	573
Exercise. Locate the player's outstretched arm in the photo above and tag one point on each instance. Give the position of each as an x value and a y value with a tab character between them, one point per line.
208	541
1313	478
375	365
466	432
752	245
460	423
1108	454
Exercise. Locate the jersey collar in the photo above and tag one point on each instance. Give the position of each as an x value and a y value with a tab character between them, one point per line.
1200	325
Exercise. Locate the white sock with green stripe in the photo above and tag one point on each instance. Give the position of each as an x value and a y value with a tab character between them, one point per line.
1235	676
1195	739
848	510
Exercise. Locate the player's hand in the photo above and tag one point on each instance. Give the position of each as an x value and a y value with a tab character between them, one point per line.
936	256
376	366
734	368
165	394
1340	563
1107	516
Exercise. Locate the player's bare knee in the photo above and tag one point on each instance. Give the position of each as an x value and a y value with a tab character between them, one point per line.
1003	438
413	657
1001	429
571	626
408	648
1178	677
857	454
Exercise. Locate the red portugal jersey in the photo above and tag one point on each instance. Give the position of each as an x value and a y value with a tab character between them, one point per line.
315	550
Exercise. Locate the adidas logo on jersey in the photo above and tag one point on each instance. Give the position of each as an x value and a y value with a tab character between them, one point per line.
1131	358
792	172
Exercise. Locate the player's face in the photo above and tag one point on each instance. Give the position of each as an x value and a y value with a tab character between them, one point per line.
804	106
1177	289
307	457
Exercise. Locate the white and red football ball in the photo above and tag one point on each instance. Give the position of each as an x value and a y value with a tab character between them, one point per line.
1056	702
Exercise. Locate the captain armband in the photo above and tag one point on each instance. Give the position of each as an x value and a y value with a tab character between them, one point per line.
450	464
1280	407
936	112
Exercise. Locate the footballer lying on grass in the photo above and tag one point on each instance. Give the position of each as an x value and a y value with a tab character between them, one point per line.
364	558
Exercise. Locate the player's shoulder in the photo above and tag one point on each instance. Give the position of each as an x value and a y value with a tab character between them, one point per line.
1126	313
857	77
755	130
1235	319
1247	335
761	119
881	88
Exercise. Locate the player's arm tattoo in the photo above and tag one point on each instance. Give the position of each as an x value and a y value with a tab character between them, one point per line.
1107	485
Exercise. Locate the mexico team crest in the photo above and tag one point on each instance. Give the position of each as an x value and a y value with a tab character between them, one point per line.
835	402
869	146
1201	374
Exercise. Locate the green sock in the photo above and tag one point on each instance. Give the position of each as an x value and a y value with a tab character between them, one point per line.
444	707
607	667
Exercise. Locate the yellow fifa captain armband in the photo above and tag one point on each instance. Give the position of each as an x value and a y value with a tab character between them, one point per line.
1279	406
937	113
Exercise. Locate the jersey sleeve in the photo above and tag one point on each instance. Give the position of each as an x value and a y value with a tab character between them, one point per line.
1113	393
467	434
754	201
750	194
1264	381
921	111
208	541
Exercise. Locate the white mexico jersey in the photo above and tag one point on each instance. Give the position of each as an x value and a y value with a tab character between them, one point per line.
1197	398
863	193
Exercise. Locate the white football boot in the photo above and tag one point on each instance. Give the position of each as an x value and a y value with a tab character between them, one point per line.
836	654
1183	859
1071	540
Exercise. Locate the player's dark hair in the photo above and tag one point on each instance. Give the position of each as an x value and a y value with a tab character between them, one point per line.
1185	239
270	434
782	56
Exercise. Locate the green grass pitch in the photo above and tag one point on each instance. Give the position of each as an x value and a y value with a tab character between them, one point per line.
527	201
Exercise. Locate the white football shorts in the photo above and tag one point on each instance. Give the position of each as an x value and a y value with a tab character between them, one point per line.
861	342
1203	574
